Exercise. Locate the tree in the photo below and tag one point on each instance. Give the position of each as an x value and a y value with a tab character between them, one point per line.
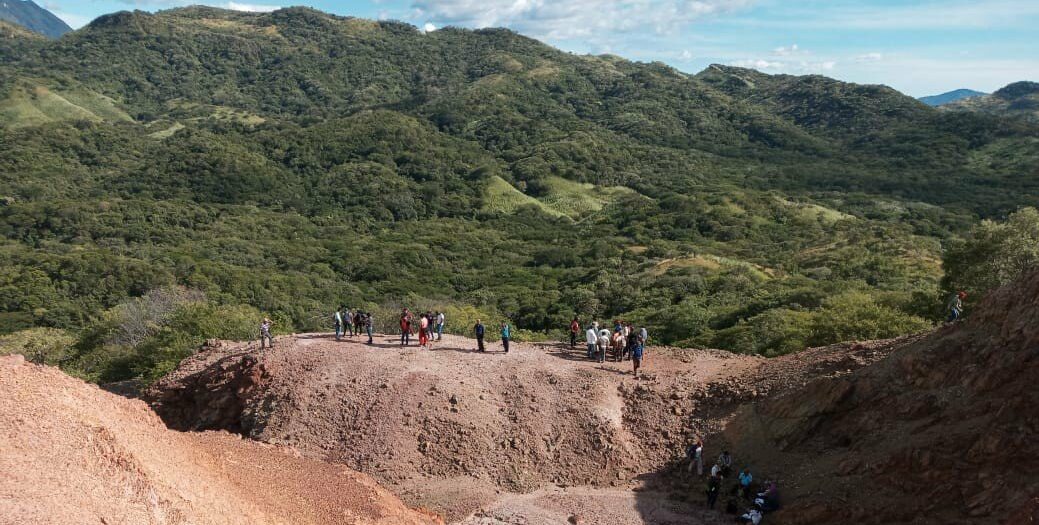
993	254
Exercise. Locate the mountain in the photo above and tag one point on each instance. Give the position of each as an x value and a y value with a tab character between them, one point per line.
1020	99
29	15
950	96
291	161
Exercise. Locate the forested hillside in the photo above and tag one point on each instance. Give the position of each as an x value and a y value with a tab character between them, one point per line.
291	161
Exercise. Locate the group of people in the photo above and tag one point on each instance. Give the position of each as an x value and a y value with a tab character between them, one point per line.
429	325
622	342
481	331
355	322
762	498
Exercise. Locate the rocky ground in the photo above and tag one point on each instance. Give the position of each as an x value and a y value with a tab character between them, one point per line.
941	432
532	435
72	454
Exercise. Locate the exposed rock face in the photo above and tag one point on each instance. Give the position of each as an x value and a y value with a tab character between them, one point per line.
72	454
943	431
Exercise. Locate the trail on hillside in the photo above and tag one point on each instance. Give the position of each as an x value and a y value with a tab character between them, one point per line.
460	431
73	454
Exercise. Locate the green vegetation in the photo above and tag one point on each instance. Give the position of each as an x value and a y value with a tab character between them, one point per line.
288	162
993	254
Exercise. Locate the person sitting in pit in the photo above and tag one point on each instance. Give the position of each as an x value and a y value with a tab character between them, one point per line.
768	499
751	516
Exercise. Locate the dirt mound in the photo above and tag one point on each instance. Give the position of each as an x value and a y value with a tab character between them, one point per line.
73	454
942	432
453	429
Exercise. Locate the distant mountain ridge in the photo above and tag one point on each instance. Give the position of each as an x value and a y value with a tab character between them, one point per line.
1019	99
951	96
33	17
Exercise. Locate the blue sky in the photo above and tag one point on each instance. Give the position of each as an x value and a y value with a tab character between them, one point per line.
918	47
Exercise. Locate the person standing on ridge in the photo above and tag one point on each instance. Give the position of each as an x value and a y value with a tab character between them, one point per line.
265	333
423	331
440	325
347	316
337	319
632	342
592	338
506	333
575	328
637	351
479	330
604	344
368	326
358	321
405	327
955	306
643	337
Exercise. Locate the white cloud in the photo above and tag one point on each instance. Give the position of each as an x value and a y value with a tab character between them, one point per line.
869	57
786	50
251	8
757	64
429	28
567	19
787	66
686	55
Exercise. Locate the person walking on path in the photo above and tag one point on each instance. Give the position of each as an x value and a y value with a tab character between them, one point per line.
714	486
347	324
955	306
643	336
405	327
575	328
337	318
479	330
506	333
636	358
368	326
265	333
423	331
440	325
592	338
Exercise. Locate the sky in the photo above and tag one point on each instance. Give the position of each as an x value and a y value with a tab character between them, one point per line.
918	47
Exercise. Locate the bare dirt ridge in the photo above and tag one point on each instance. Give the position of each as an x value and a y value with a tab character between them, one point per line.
941	432
71	453
490	437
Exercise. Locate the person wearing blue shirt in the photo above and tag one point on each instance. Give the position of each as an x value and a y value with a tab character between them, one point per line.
745	480
479	329
505	333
